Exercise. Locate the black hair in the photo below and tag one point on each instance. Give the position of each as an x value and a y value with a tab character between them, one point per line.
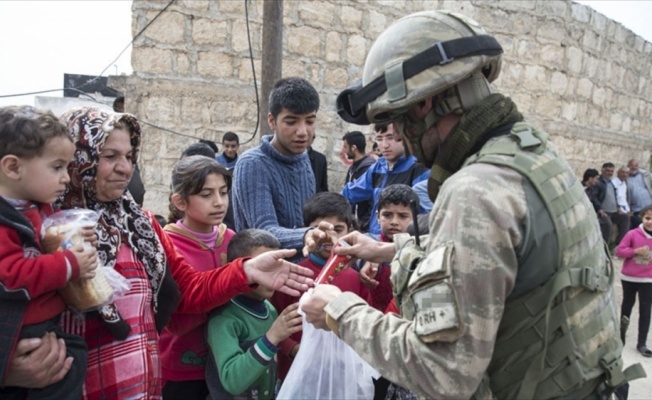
117	102
325	205
645	210
161	220
374	147
381	127
198	149
608	165
590	173
25	131
295	94
230	137
397	193
189	176
357	139
246	241
210	143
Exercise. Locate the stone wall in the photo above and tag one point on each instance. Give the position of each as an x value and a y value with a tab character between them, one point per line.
580	76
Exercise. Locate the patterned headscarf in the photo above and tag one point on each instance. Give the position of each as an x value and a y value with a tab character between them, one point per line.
121	220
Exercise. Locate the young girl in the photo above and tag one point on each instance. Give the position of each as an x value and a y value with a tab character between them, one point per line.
200	187
636	277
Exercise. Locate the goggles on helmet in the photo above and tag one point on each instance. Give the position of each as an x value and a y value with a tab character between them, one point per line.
351	103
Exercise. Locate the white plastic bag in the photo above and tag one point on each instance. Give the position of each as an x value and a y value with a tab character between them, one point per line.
327	368
63	230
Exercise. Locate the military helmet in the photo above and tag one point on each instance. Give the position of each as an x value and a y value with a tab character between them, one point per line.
417	57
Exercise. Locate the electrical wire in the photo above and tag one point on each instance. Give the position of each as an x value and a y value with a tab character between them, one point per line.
142	121
136	36
253	72
103	71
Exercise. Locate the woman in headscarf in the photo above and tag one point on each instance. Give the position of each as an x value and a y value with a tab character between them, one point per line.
122	337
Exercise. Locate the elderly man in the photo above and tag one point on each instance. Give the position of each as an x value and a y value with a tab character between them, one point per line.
640	183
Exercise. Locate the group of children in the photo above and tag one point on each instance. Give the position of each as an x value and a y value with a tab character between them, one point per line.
230	353
243	347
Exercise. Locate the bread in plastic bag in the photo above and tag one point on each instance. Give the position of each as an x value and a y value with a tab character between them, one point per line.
327	368
63	230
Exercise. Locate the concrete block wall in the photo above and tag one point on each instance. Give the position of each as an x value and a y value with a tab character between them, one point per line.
572	71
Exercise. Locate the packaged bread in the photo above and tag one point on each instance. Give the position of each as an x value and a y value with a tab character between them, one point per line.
63	230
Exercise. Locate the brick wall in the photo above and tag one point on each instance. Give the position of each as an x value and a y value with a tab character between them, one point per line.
572	71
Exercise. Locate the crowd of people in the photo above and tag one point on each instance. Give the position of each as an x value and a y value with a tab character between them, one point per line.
506	291
621	203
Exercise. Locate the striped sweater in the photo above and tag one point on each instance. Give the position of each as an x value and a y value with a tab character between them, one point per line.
241	361
269	191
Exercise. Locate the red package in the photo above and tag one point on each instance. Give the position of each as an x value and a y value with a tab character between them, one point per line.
335	264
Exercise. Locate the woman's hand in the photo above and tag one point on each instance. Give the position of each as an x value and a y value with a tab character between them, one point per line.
366	248
38	362
272	271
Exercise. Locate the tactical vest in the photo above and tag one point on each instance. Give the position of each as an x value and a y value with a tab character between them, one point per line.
559	339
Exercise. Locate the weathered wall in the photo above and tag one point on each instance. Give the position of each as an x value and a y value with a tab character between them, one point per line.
580	76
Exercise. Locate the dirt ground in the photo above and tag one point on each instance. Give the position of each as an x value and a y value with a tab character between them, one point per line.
640	388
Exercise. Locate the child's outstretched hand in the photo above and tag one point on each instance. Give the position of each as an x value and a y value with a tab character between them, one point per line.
287	323
641	251
368	274
87	260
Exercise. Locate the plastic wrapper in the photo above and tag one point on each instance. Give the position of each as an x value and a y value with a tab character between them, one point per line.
327	368
335	264
63	230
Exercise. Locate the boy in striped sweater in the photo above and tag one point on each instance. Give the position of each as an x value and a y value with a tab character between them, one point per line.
244	334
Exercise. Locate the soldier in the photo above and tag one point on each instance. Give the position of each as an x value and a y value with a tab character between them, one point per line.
511	293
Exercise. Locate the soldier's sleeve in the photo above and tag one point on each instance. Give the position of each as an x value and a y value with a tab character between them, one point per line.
478	218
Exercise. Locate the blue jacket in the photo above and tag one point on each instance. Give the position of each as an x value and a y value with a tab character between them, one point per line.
228	164
368	187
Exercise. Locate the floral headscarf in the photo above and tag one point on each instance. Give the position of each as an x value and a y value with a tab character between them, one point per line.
121	220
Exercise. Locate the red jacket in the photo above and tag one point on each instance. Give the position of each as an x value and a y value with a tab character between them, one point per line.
347	281
38	276
183	342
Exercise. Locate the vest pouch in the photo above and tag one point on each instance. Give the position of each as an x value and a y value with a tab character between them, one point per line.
404	263
434	305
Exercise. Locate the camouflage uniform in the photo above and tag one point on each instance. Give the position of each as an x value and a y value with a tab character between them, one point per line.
489	217
513	295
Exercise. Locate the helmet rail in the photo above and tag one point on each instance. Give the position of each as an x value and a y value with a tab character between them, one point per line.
351	102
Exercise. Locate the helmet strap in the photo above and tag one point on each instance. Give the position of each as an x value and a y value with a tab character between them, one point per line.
465	94
420	128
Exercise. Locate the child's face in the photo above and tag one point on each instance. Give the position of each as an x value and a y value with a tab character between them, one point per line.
341	229
45	177
206	209
647	221
394	219
260	292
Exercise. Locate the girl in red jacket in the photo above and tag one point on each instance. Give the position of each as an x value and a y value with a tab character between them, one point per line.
200	188
636	277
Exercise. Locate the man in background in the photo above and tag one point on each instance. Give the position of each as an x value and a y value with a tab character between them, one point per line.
230	146
319	167
354	147
640	183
